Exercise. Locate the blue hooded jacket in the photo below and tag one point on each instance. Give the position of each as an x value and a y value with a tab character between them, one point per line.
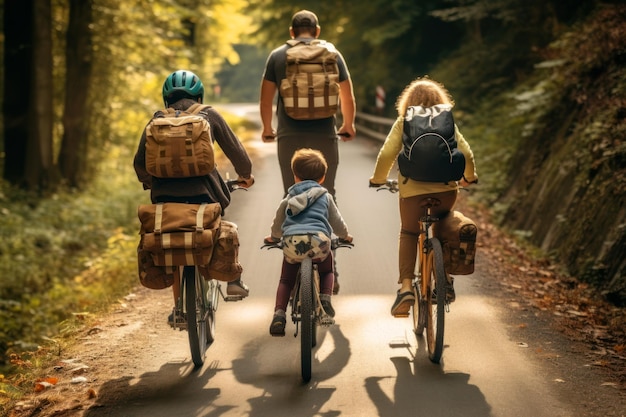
308	208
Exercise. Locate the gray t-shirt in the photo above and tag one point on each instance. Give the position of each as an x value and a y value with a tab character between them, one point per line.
275	71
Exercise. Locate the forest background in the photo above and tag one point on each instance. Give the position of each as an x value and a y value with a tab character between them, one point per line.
540	91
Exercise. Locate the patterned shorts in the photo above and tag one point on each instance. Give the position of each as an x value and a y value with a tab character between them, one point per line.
314	245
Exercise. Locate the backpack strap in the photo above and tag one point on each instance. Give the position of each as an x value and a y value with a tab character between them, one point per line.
164	113
294	42
197	108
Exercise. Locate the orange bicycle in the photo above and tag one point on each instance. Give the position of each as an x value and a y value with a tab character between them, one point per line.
430	280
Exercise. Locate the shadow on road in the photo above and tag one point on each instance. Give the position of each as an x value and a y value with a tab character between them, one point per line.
423	388
284	393
176	389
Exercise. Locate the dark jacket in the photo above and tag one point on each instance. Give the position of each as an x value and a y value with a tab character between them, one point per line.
210	188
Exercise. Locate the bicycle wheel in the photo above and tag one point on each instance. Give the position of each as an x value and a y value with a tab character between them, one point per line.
306	317
196	307
436	275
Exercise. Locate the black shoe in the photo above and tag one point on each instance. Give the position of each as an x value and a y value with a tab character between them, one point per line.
403	303
277	328
328	307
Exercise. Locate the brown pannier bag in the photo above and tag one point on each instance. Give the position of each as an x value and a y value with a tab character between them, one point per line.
179	233
457	234
153	276
224	265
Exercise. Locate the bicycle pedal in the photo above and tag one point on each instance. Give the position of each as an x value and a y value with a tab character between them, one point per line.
326	321
179	326
234	298
401	315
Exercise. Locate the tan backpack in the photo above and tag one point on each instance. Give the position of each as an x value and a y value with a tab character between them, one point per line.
311	88
179	144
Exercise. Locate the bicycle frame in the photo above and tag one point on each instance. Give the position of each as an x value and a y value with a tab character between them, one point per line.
306	308
429	282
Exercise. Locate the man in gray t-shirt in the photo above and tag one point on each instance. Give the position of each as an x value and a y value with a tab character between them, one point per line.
292	134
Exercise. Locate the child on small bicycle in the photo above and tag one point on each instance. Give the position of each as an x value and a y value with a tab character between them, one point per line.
305	220
426	93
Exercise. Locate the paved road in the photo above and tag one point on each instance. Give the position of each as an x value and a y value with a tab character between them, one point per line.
369	364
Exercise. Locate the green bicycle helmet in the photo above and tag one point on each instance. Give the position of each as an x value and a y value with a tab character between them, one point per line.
182	84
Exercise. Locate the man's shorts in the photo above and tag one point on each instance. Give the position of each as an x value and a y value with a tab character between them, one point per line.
313	245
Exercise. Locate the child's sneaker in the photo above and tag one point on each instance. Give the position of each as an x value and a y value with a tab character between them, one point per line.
326	305
277	328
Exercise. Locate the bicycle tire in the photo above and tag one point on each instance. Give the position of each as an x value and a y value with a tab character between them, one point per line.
196	312
420	315
306	318
213	294
316	308
436	308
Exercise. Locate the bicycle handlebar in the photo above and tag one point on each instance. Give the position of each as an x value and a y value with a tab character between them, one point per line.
390	185
334	244
272	137
234	185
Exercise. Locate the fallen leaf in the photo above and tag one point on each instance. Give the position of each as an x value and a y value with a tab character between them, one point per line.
79	380
43	385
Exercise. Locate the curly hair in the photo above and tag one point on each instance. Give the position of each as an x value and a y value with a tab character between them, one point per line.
423	92
309	164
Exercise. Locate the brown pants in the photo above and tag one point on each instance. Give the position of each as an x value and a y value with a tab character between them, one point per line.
411	209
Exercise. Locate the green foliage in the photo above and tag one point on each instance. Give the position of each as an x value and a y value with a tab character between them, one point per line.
74	252
138	43
565	179
241	82
47	245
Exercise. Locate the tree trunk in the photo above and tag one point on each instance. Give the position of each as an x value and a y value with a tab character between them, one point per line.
28	94
73	156
39	158
18	59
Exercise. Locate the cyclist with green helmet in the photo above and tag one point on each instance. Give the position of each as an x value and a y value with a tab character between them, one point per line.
181	90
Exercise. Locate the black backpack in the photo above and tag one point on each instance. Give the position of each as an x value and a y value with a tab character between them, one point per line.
430	151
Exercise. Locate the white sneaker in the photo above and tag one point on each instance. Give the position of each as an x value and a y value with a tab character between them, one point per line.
237	287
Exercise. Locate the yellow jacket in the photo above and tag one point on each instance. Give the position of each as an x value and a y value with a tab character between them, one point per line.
408	187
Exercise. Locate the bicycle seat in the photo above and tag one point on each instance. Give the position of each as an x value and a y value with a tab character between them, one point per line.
430	202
